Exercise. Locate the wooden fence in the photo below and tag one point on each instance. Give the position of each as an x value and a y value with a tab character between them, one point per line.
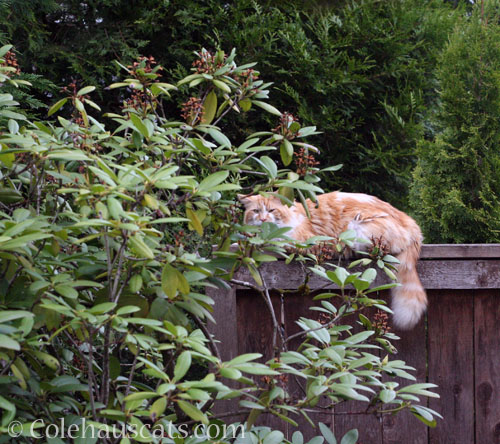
456	346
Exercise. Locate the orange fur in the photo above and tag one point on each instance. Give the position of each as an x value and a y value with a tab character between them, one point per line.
370	218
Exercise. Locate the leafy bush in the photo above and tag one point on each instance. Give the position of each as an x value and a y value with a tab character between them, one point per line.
456	190
106	251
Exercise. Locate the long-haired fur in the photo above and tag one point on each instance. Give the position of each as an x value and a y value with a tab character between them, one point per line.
370	218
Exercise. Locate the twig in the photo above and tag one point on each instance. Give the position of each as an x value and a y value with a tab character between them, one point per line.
276	328
131	375
203	328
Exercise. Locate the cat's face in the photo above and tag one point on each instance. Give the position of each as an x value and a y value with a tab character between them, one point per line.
259	209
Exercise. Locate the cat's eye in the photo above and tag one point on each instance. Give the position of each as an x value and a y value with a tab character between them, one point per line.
256	210
271	210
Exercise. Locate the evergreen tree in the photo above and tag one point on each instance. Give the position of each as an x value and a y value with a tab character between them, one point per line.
456	193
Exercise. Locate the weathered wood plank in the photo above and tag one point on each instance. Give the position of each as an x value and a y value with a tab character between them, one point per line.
369	426
434	274
255	331
225	330
294	309
225	327
451	365
412	348
460	251
451	251
487	366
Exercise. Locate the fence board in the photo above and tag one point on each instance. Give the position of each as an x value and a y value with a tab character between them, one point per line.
369	426
487	366
451	365
412	348
460	251
436	274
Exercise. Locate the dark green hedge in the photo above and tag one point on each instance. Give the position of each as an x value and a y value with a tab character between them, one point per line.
362	71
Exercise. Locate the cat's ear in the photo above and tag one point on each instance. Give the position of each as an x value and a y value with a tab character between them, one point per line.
245	200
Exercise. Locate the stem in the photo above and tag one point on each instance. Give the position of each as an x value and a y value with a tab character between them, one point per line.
276	328
131	375
91	374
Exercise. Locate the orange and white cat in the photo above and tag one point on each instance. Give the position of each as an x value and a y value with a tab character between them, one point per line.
370	218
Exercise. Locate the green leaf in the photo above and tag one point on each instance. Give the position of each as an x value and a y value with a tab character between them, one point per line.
245	105
387	395
195	221
85	90
269	166
209	108
424	415
102	308
5	49
115	208
275	437
286	152
135	283
56	106
139	396
222	85
66	291
213	180
193	412
10	315
359	337
139	126
140	248
220	138
47	359
169	281
327	433
158	407
13	126
182	365
182	283
9	343
22	241
331	168
230	373
351	437
244	358
68	155
265	106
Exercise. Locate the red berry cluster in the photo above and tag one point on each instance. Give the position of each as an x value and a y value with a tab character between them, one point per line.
11	61
70	89
179	238
379	248
136	101
192	110
284	127
246	77
145	65
381	321
326	251
304	161
206	63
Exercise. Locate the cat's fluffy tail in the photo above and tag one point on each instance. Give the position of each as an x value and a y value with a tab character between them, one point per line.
409	300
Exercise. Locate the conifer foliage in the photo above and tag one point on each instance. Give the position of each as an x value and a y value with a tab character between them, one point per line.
456	190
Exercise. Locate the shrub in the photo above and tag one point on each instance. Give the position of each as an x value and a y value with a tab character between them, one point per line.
106	250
